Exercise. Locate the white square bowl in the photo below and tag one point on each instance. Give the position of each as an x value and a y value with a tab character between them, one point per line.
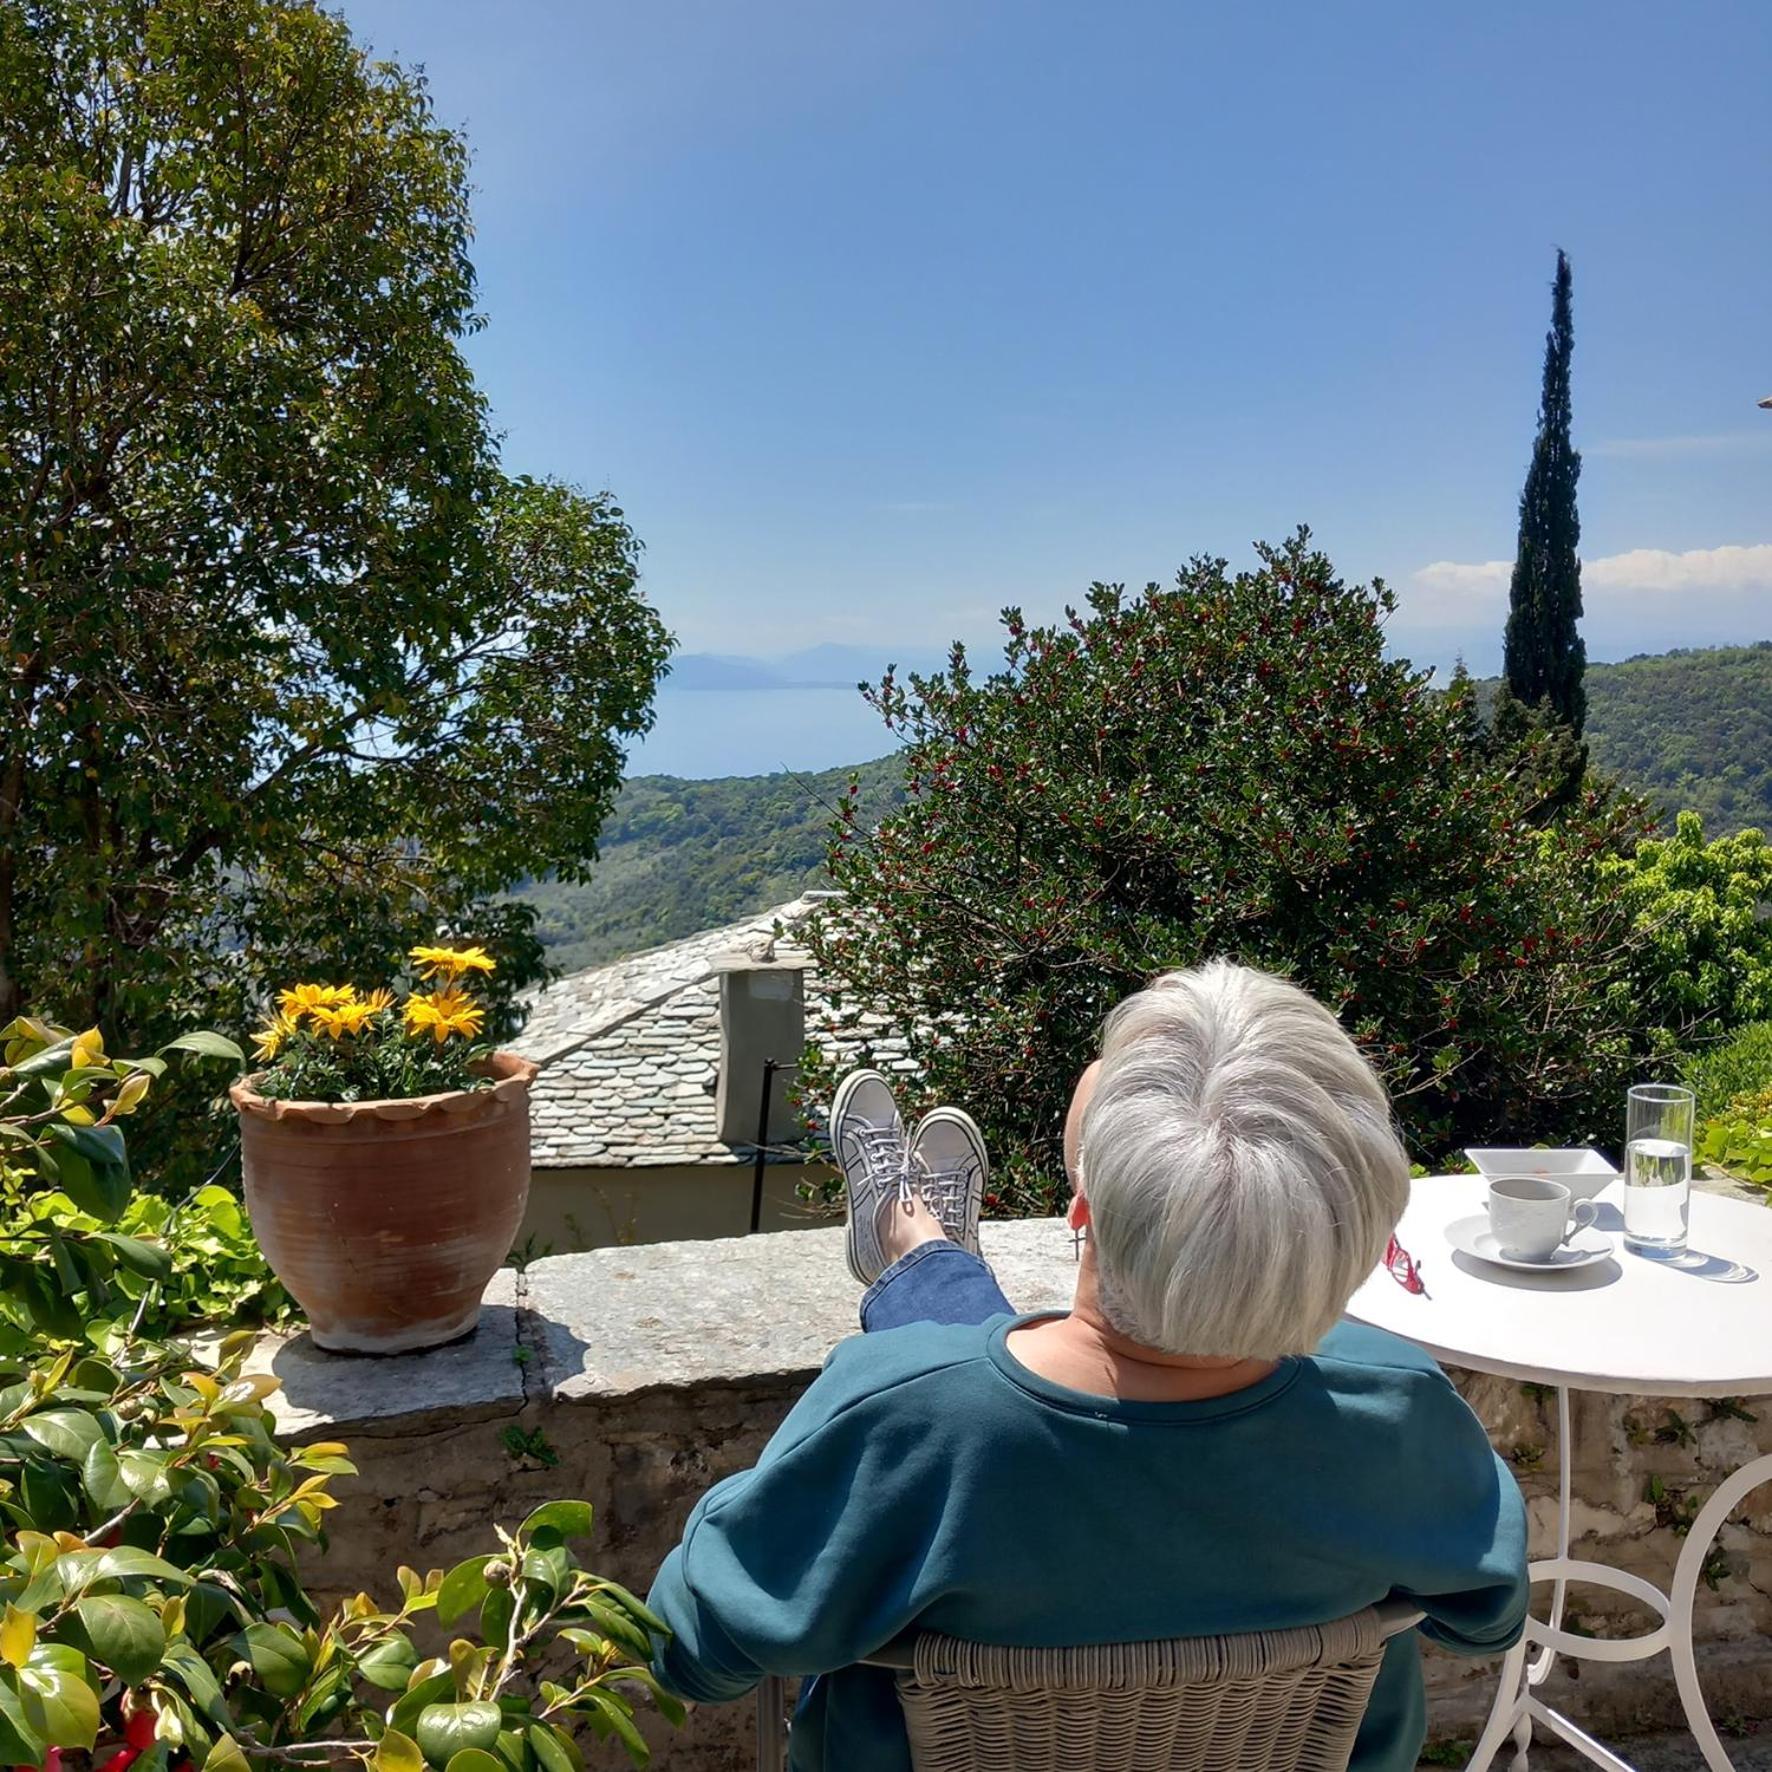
1583	1172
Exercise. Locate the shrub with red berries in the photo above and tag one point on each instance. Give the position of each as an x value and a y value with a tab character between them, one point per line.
1233	766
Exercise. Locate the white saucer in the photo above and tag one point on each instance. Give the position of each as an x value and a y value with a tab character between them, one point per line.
1472	1236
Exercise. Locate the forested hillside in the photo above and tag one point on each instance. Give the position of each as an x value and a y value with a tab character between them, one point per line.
1689	729
681	856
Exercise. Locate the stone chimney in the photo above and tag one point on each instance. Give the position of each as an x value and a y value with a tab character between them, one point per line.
762	1016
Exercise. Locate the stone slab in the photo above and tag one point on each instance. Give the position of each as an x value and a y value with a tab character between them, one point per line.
474	1378
616	1322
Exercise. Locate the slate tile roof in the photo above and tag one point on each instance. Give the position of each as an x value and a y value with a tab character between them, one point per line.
630	1051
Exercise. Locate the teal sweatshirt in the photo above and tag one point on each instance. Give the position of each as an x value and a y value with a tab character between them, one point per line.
928	1479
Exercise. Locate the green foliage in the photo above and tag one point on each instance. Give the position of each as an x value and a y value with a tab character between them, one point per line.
1706	967
1740	1066
150	1598
1690	729
677	857
1739	1139
1233	767
350	680
1544	652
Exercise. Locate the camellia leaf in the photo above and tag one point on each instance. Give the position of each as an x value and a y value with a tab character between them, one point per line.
395	1752
556	1521
68	1433
432	1689
444	1730
475	1759
21	1743
619	1715
554	1749
153	1261
58	1700
464	1587
389	1663
207	1045
102	1477
123	1634
18	1636
226	1756
278	1656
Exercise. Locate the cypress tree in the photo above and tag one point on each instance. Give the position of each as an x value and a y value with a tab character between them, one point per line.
1545	657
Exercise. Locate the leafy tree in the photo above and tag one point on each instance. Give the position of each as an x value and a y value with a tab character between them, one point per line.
292	674
1232	767
1705	969
1545	656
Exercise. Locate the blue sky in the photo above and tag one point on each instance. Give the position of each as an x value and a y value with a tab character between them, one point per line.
878	316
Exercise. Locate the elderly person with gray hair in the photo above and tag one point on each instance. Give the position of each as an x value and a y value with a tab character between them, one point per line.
1200	1446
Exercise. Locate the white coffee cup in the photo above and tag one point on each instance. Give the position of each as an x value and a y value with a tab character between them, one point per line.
1531	1217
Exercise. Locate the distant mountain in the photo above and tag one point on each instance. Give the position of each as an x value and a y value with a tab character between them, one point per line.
1689	729
829	666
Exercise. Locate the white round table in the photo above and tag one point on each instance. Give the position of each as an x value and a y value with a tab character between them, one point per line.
1699	1325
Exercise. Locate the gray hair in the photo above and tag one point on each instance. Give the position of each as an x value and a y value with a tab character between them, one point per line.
1240	1163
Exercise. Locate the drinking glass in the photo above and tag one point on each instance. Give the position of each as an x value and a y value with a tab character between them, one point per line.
1657	1168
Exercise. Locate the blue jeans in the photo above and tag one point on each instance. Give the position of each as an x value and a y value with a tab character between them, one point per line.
935	1283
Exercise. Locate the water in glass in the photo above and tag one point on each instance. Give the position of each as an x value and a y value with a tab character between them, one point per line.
1658	1169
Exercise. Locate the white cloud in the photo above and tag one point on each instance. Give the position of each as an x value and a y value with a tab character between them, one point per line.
1452	593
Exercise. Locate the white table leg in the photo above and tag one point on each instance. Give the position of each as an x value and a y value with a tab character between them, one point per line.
1684	1597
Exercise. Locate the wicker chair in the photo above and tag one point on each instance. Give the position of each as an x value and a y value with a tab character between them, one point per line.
1265	1701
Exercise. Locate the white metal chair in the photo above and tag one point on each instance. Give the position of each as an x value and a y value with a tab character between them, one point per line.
1260	1701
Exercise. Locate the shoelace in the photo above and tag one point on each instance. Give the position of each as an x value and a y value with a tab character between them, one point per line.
883	1152
946	1193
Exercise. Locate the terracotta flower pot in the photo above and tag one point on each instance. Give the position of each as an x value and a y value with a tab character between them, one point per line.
385	1219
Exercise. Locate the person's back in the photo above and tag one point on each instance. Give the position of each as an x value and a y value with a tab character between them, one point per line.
1102	1476
929	1478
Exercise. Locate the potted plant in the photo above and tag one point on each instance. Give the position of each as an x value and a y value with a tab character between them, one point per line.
386	1155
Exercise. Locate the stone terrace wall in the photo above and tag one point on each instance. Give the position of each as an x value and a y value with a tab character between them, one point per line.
649	1373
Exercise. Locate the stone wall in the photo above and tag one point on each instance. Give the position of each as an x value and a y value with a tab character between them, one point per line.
636	1377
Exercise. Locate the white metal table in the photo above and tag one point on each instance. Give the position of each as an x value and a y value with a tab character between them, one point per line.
1697	1326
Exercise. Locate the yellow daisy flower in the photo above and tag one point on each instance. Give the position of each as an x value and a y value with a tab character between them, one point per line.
304	998
378	1001
451	963
441	1014
271	1038
341	1019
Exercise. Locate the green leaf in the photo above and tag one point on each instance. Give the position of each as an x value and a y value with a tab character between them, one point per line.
389	1663
207	1045
59	1702
125	1562
556	1521
637	1607
464	1587
428	1691
68	1433
21	1742
198	1678
444	1730
153	1261
396	1752
475	1759
278	1656
555	1749
102	1478
619	1715
123	1634
670	1706
225	1756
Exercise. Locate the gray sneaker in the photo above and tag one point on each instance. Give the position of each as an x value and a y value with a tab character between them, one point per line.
949	1169
867	1138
